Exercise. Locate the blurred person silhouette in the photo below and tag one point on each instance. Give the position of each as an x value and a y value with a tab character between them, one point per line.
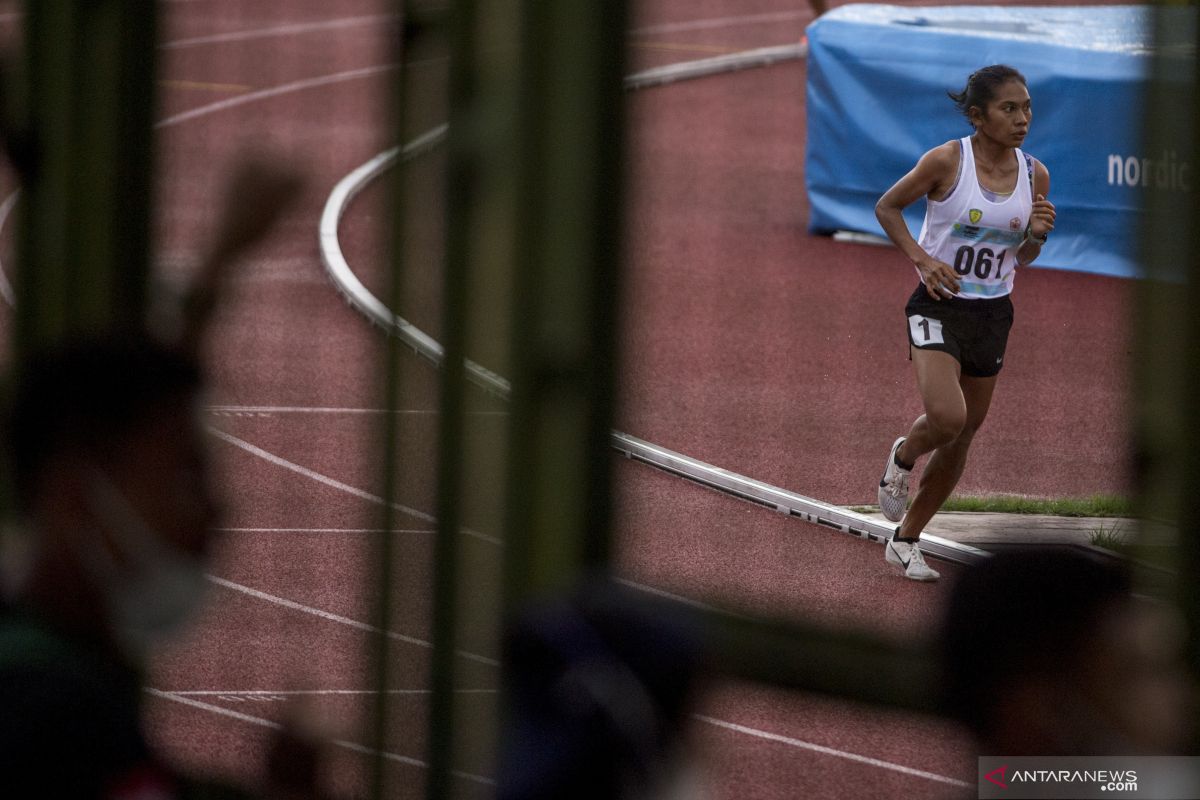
111	486
601	688
113	496
1050	653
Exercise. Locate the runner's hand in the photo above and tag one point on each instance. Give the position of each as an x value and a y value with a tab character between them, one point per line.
256	196
939	278
1041	221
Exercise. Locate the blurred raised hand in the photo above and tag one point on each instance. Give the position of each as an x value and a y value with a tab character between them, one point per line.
256	195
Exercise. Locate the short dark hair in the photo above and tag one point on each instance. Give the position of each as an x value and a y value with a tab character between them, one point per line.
982	85
1021	613
84	396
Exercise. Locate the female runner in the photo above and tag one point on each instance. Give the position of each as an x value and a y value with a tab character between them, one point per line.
986	213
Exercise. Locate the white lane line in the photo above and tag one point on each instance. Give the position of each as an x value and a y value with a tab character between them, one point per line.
286	88
338	618
336	484
316	476
829	751
232	409
324	530
311	692
304	27
678	598
351	22
275	91
732	726
275	726
278	30
721	22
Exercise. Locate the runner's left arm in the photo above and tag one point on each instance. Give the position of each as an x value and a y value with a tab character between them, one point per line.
1041	220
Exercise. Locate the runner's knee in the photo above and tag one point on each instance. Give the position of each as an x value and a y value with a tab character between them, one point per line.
969	429
945	424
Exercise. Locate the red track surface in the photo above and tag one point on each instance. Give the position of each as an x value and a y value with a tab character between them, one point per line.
747	343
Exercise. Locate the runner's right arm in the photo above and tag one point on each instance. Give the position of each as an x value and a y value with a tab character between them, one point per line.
932	177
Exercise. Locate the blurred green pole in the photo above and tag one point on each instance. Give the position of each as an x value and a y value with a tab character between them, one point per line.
412	28
1167	364
464	145
85	209
569	153
570	143
1186	237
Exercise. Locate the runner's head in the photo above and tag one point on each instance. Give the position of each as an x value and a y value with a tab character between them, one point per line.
982	87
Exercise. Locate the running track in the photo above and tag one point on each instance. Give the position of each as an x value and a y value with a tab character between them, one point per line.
747	344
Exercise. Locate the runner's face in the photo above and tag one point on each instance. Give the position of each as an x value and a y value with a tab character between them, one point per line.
1007	116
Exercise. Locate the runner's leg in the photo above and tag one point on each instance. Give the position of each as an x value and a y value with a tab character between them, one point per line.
945	466
938	381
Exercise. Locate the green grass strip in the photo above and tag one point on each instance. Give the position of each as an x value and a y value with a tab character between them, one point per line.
1097	505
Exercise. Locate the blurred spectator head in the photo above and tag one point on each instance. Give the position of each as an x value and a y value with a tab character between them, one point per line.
1050	653
111	481
601	688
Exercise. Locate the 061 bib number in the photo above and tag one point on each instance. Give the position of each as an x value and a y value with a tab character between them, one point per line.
981	261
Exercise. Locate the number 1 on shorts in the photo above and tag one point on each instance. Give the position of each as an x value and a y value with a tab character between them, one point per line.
925	331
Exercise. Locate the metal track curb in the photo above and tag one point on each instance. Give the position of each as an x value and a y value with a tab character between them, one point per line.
797	505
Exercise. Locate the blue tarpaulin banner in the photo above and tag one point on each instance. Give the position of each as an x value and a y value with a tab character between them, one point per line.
876	100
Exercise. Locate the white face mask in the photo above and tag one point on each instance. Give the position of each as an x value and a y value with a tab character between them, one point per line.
154	587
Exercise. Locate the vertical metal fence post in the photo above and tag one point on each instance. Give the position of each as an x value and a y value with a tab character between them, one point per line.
1167	365
1188	241
385	551
463	143
85	231
565	294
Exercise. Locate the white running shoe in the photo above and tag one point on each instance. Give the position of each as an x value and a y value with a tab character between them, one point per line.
907	556
893	487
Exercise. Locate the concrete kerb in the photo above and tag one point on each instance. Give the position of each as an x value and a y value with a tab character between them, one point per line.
987	529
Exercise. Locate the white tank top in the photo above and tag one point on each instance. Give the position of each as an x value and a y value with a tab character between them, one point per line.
977	236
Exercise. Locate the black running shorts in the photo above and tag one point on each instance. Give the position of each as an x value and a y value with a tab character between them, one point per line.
975	332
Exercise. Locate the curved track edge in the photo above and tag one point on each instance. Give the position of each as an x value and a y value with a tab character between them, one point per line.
360	298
